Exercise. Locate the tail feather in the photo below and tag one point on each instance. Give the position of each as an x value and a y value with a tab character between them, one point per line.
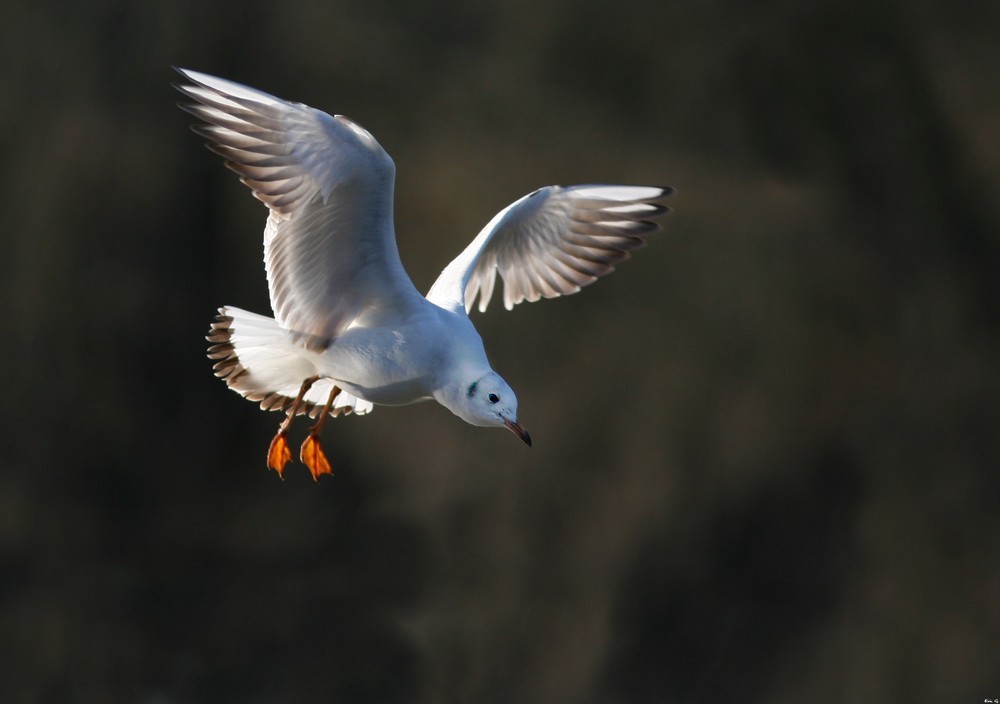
259	361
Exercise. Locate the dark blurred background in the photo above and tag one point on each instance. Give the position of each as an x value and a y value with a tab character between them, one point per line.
766	450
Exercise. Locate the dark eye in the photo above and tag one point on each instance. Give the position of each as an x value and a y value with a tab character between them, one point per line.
494	398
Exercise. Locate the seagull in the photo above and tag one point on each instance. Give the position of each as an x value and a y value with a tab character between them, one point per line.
350	329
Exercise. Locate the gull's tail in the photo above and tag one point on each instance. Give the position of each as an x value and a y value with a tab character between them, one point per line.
259	361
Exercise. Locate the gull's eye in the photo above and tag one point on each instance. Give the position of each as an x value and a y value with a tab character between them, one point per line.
494	398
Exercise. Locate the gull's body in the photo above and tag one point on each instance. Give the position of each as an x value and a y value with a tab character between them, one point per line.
350	329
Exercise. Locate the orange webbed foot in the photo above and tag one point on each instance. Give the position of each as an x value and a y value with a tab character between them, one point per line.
278	454
313	457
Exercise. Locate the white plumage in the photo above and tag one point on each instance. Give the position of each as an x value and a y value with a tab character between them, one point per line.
350	329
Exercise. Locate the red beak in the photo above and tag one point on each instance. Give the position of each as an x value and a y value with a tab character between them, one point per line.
518	430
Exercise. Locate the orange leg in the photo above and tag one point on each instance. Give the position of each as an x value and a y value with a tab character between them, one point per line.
312	454
278	454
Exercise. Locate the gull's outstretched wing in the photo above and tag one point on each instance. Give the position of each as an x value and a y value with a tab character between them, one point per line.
329	245
551	243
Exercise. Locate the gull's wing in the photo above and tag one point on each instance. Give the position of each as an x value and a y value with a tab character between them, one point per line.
551	243
329	245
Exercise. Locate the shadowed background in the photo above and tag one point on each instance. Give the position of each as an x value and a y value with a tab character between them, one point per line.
766	450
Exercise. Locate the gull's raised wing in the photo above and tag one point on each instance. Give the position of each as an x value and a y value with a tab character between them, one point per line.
329	245
551	243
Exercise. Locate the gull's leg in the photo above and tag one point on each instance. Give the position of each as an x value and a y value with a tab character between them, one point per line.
278	454
312	454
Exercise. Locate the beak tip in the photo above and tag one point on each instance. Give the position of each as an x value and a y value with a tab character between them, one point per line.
518	430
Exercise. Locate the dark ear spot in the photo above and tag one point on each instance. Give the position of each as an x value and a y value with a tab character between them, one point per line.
494	398
472	389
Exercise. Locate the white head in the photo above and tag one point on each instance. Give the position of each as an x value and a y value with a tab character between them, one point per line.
487	401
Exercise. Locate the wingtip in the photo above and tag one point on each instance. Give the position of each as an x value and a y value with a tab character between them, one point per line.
190	74
185	72
620	192
664	192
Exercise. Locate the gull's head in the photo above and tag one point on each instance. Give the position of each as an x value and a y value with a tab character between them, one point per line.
487	401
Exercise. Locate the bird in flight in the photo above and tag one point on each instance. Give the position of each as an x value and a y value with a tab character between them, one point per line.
350	330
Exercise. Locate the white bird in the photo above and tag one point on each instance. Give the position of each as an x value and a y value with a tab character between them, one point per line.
350	329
